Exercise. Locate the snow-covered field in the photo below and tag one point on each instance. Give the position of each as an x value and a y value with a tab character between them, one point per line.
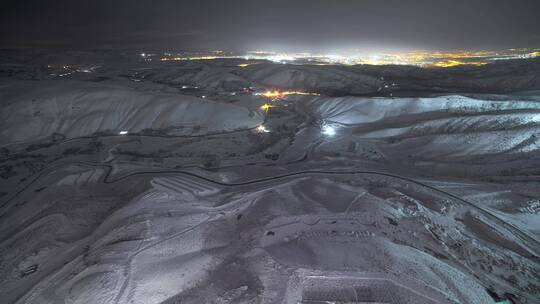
128	181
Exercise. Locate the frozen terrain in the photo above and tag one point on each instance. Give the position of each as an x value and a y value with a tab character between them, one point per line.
76	109
132	181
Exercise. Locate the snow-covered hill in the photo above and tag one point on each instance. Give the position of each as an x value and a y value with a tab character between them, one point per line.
225	195
36	110
438	127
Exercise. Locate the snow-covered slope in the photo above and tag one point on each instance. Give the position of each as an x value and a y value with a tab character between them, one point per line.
331	79
449	126
32	110
349	200
355	110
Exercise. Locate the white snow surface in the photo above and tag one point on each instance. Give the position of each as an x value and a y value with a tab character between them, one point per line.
443	126
32	111
357	110
437	194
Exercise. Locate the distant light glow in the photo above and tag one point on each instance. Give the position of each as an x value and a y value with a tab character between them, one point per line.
262	129
328	130
123	132
420	58
281	58
452	63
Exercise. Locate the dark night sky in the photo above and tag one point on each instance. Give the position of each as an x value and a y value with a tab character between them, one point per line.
300	24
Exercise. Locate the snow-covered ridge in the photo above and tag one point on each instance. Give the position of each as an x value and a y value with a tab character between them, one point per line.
35	110
436	127
358	110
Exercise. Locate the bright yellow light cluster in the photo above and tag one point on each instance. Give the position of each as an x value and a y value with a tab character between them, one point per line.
427	59
281	94
452	63
265	107
461	54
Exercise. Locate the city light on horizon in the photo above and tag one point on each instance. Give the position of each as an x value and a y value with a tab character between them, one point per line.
421	58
